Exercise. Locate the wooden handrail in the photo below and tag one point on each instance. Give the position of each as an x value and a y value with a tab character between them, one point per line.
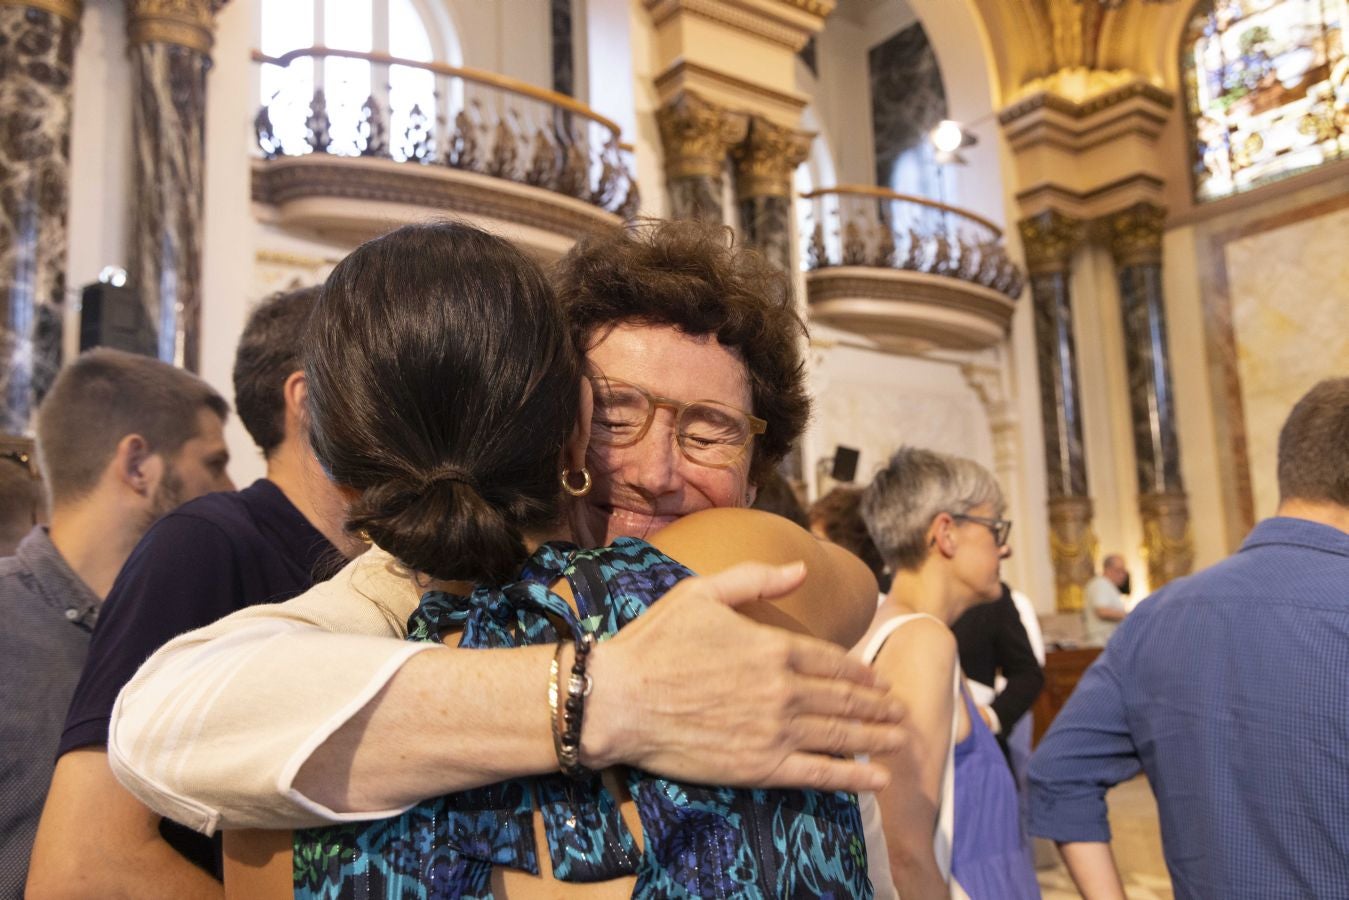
481	76
866	190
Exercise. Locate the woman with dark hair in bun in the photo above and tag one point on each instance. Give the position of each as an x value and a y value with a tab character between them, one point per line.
448	397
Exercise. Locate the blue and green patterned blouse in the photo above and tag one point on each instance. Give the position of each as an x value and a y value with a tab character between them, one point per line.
699	841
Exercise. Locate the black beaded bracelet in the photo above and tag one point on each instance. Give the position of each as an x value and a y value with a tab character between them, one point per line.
573	710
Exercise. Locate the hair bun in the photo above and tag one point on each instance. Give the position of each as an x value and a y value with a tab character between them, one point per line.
416	520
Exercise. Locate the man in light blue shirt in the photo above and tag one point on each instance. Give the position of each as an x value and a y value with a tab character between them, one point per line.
1104	607
1230	689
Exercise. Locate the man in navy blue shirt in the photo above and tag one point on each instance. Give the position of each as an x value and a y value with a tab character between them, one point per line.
1230	689
222	552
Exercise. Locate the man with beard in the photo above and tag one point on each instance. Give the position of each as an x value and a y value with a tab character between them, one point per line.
122	440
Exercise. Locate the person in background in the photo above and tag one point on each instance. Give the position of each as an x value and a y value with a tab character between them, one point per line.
999	662
1104	595
21	505
837	517
776	495
948	824
1230	689
210	557
122	440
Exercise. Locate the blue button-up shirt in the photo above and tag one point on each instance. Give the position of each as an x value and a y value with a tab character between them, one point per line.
1230	689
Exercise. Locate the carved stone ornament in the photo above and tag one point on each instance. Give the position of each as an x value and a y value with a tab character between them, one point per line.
696	135
1050	239
1134	235
70	10
187	23
1072	546
1168	544
766	159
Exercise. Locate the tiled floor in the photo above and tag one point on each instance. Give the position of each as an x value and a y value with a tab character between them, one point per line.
1137	845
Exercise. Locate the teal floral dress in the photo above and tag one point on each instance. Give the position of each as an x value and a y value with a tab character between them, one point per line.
699	841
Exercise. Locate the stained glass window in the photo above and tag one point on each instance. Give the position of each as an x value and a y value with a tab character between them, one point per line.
1267	91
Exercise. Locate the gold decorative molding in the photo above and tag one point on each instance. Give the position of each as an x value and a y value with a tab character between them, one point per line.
1134	235
786	23
766	159
70	10
186	23
696	135
1096	203
1168	544
1049	240
1072	546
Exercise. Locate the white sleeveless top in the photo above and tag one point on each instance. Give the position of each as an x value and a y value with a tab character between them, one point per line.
878	856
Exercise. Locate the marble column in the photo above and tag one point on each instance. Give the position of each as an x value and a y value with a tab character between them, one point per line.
1135	239
695	136
37	52
1050	240
764	163
169	45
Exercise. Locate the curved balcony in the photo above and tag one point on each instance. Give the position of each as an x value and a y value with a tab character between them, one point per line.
910	273
353	143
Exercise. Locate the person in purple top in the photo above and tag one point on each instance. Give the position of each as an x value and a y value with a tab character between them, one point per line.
949	824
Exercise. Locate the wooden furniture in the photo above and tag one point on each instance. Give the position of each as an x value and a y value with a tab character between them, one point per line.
1063	668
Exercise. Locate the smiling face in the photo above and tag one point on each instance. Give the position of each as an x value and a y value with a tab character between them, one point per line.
642	488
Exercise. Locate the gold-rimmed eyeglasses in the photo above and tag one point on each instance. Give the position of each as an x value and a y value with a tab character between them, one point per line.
1001	528
708	432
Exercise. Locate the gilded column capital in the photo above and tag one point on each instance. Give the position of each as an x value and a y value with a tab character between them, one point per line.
1134	235
696	135
187	23
766	159
1049	239
70	10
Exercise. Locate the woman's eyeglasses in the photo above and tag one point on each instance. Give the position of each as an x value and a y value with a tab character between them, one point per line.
709	433
1001	528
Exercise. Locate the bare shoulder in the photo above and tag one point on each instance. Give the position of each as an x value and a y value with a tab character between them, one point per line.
721	537
921	643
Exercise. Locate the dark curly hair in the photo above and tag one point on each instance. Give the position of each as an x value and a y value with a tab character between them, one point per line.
690	276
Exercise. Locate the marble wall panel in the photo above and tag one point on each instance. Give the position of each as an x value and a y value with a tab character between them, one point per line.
1289	291
766	223
696	198
1151	398
907	101
168	128
1060	403
37	51
564	57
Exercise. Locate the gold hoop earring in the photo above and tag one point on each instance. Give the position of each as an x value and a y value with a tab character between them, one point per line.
565	477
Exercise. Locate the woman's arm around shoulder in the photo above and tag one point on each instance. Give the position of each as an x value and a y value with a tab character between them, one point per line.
837	599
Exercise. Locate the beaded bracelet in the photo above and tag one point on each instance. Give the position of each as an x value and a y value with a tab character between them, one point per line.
579	685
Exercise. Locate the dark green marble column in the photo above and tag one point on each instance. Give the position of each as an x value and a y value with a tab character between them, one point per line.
1135	238
695	135
764	164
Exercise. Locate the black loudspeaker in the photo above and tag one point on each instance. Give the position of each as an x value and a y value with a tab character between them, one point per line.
845	463
112	316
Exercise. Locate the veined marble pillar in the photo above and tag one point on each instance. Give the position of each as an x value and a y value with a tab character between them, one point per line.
1050	238
695	135
1135	239
170	44
37	52
764	164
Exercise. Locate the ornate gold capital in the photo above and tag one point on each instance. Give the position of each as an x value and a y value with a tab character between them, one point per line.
1072	545
1134	235
187	23
1050	239
1168	543
70	10
696	135
766	159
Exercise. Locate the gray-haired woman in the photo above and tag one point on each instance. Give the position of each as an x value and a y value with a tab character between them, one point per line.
937	521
